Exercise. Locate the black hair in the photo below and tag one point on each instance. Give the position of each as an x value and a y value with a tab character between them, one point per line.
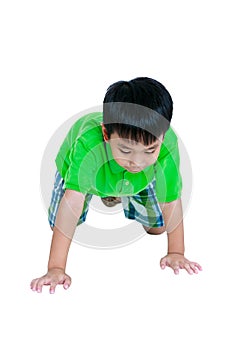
139	109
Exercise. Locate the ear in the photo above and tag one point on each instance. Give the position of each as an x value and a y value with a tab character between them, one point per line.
104	132
161	138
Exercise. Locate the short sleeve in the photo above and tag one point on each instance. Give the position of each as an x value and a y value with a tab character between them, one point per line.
80	173
167	170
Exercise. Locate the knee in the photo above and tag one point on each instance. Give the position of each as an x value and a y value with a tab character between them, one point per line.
155	230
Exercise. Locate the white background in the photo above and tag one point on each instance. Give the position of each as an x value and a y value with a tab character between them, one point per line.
57	59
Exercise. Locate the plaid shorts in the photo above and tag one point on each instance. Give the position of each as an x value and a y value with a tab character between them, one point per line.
142	207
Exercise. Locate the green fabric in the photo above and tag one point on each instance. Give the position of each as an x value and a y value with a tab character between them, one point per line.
86	164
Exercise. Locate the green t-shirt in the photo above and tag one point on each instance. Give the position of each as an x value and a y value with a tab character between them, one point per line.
86	164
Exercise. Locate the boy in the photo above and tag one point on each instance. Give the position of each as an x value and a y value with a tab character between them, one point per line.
128	154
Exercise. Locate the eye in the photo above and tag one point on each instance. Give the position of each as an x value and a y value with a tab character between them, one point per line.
150	152
125	152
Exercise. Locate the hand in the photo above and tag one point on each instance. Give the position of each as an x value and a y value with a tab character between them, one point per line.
178	261
53	277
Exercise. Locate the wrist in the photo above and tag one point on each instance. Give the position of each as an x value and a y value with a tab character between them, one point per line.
178	253
56	268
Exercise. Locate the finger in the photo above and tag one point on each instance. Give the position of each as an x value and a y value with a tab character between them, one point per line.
176	269
33	284
198	266
163	263
52	287
39	285
194	267
188	268
67	282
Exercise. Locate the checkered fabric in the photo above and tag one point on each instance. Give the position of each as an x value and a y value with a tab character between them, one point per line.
142	207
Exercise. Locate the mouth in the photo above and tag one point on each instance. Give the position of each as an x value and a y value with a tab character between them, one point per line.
134	170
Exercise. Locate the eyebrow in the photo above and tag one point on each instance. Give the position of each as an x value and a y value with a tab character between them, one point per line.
146	149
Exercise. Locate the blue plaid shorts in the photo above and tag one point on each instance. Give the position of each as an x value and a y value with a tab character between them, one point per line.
142	207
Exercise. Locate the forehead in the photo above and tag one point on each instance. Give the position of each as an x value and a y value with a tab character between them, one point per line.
132	143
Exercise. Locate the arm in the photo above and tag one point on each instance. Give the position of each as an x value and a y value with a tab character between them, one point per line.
68	214
173	217
168	189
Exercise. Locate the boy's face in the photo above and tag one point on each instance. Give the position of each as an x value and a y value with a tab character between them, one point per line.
131	155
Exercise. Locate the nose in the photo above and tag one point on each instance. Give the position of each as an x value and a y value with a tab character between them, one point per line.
136	162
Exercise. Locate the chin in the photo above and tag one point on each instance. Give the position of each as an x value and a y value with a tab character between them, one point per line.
133	171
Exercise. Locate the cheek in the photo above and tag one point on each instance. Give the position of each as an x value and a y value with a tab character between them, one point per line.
151	160
120	158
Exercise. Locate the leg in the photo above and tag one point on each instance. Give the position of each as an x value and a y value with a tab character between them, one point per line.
144	208
57	194
154	230
111	201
